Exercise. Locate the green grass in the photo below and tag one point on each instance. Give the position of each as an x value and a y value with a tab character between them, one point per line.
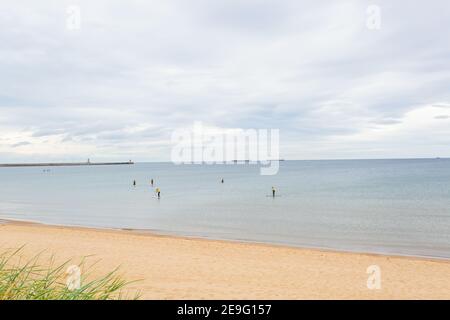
31	280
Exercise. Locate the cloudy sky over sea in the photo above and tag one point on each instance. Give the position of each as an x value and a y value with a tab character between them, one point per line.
116	85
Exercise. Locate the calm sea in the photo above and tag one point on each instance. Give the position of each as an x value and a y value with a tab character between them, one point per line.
380	206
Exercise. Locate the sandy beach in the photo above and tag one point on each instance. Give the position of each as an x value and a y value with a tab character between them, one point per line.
171	267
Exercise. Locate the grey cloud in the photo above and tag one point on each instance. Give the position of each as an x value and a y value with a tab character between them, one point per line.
137	71
48	132
20	144
387	121
441	105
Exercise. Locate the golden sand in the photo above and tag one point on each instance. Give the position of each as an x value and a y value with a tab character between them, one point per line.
184	268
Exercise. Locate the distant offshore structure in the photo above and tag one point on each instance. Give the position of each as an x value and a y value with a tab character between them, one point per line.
250	161
61	164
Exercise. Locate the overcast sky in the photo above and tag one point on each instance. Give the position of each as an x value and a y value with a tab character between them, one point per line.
135	71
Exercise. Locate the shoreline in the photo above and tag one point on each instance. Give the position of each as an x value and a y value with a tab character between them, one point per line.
178	267
162	233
